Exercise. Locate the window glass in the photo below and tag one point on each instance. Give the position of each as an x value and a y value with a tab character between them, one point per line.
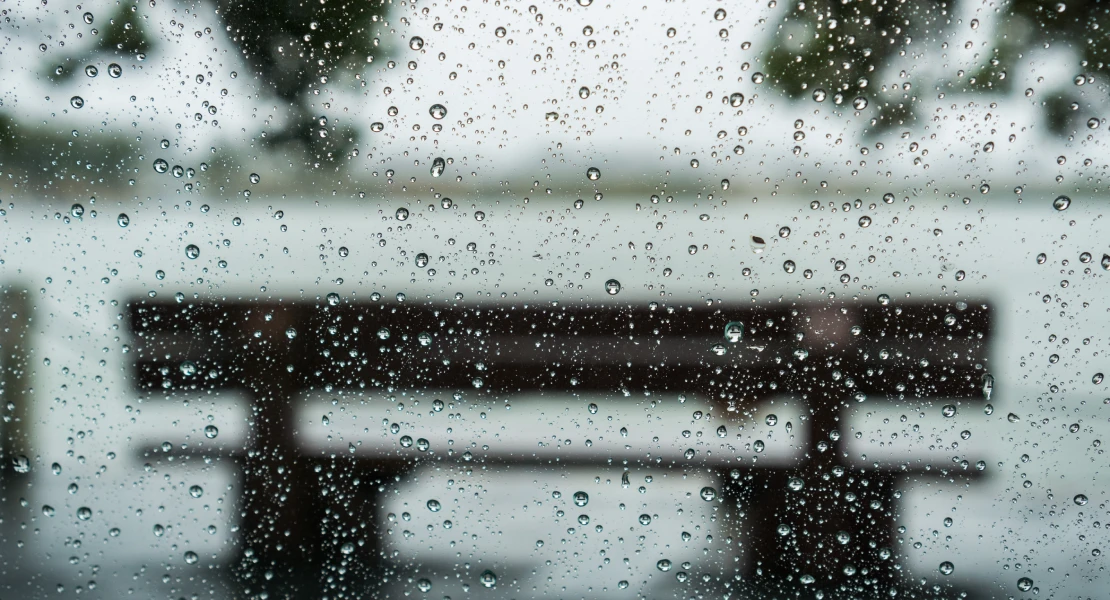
570	299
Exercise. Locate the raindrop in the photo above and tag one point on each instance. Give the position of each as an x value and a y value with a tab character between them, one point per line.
719	14
434	505
123	220
192	251
859	103
789	266
416	42
479	216
795	484
487	578
77	102
77	210
593	173
612	287
211	431
1097	378
1080	499
865	221
583	92
1092	123
708	494
401	214
784	232
196	491
663	565
736	99
758	244
1025	584
734	332
946	568
438	166
581	499
161	166
1061	203
645	519
114	70
438	111
91	71
988	385
819	95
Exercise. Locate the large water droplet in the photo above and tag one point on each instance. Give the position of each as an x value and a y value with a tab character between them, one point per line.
1061	203
581	499
77	102
438	111
612	287
593	173
1025	584
946	568
416	42
734	331
438	166
192	251
487	578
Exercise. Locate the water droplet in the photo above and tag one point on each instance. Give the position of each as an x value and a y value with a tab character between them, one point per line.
719	14
211	431
401	214
581	499
859	103
758	244
819	95
91	71
1097	378
987	381
487	578
424	585
946	568
438	166
47	510
948	410
88	17
645	519
416	42
784	232
1092	123
1061	203
21	464
77	210
865	221
1024	584
191	557
612	287
84	513
196	491
789	266
708	494
1105	262
114	71
734	331
123	220
192	251
161	166
671	32
77	102
434	505
884	300
583	92
438	111
795	484
663	565
479	215
188	368
736	99
593	173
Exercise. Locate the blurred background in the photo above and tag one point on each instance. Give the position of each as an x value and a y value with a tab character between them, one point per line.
565	299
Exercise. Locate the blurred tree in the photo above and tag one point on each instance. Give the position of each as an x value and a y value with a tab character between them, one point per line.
836	49
294	46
